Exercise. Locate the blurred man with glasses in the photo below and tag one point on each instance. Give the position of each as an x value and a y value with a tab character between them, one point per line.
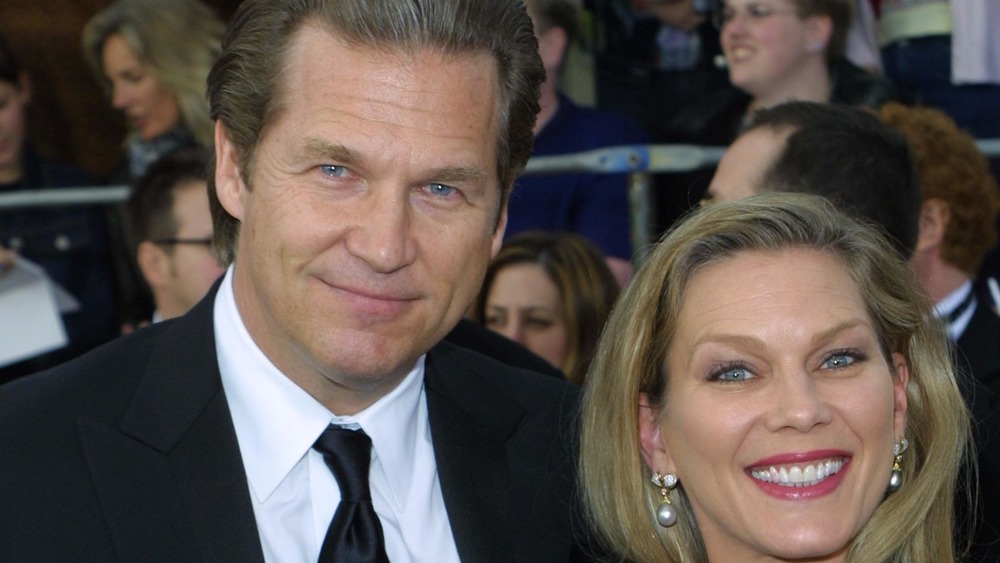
171	229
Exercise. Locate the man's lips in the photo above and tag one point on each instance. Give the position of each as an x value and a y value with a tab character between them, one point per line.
375	296
374	302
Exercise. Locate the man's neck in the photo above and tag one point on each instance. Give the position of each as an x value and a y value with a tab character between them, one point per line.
939	278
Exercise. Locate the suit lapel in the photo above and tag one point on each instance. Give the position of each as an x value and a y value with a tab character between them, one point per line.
471	421
176	452
979	344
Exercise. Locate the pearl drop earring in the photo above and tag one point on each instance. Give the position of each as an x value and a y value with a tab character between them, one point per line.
896	477
666	514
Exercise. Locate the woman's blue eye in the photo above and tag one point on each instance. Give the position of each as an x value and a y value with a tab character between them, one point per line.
839	360
440	190
333	170
735	373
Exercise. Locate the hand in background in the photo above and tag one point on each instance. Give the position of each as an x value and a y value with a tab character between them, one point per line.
6	259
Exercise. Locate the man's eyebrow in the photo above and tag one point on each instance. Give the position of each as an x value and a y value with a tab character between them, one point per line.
458	174
340	154
336	153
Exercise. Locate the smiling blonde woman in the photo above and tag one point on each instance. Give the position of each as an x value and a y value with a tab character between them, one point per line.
770	388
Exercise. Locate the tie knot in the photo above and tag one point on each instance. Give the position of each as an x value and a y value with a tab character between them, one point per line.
348	455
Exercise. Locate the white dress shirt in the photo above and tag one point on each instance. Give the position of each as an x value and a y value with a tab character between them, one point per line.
945	307
293	492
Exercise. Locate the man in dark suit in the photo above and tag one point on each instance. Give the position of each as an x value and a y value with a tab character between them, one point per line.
960	202
306	409
959	205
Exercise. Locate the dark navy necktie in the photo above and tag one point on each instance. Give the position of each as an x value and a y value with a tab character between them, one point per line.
961	308
355	533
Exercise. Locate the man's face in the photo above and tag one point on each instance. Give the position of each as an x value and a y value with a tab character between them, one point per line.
192	266
371	213
742	168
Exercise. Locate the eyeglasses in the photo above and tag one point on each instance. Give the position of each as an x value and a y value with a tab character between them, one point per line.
207	241
754	13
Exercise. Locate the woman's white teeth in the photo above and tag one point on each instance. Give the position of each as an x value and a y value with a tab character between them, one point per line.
799	476
739	53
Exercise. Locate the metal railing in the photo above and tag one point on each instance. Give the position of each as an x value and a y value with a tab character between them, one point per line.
639	161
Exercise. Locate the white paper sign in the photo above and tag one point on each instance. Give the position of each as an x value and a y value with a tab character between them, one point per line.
30	303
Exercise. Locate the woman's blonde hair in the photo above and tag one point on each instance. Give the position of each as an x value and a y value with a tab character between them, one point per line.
631	357
177	40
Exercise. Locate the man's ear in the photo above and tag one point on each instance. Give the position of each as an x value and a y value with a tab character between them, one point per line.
153	263
229	186
654	453
552	45
934	218
501	228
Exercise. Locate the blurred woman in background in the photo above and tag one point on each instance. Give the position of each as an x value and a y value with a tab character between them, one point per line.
552	293
778	51
153	58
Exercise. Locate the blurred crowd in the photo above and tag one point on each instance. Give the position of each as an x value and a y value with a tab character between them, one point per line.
875	105
619	72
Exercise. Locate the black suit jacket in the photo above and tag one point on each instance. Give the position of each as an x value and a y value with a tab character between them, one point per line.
129	454
473	336
978	360
979	347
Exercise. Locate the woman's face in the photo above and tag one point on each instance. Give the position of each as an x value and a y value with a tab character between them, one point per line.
524	305
13	100
766	43
782	411
151	109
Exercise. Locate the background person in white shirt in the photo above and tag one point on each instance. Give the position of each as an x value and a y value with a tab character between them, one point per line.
171	229
364	153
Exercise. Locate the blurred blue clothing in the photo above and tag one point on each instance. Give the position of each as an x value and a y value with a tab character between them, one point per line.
921	69
592	205
72	245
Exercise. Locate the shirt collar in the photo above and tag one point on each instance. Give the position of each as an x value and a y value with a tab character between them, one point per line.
392	424
277	422
946	307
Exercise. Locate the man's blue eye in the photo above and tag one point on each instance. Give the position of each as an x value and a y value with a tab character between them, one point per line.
440	190
333	170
